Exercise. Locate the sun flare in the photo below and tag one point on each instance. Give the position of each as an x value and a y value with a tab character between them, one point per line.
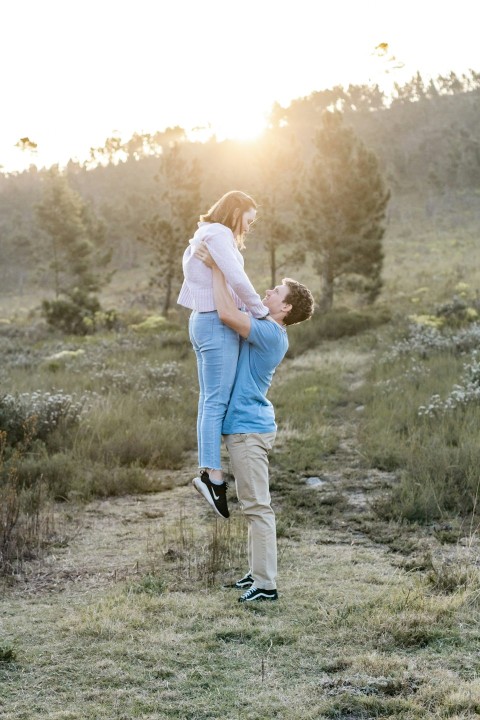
243	127
270	52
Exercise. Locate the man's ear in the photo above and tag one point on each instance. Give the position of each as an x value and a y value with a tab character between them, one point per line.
287	307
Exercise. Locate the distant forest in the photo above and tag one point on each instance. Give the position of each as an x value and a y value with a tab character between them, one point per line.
427	140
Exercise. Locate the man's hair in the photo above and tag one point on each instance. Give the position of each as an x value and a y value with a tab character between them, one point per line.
228	211
301	300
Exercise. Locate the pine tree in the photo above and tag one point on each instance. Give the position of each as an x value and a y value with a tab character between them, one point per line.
343	208
167	231
77	237
77	255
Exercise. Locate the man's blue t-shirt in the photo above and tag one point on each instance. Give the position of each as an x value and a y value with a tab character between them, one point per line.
249	411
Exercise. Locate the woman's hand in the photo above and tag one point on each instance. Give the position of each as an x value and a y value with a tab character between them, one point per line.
203	254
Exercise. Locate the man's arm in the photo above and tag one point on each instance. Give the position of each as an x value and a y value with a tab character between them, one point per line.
226	308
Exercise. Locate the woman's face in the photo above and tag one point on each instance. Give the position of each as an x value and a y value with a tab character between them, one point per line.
247	219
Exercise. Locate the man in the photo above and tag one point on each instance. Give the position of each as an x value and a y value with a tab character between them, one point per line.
249	426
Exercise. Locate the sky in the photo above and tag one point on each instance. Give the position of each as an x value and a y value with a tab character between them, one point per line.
74	72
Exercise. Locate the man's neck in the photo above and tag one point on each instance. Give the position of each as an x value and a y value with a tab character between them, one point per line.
278	319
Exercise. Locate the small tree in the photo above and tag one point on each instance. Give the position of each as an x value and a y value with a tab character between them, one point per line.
159	235
343	208
77	255
167	231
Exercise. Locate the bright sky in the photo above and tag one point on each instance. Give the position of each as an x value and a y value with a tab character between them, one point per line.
74	72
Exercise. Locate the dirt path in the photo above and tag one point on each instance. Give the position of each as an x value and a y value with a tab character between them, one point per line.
109	540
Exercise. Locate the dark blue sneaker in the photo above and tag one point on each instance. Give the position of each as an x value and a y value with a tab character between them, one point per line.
255	594
245	582
241	584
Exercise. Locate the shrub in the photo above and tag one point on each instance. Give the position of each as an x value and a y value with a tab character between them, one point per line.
424	340
73	314
23	520
57	472
78	313
46	409
126	405
458	311
460	395
111	438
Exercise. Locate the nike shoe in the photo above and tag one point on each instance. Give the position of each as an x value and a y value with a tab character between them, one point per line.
215	495
255	594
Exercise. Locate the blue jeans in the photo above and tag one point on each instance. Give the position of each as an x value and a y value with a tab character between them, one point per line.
216	347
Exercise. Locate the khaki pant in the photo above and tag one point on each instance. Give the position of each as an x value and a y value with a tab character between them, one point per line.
249	460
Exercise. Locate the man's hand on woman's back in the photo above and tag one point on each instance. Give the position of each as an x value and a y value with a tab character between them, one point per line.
203	254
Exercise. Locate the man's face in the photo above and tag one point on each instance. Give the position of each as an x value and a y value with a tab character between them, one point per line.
274	299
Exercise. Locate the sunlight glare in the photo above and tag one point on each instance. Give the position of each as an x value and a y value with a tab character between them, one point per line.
241	128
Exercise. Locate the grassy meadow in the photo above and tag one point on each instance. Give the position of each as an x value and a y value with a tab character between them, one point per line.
113	602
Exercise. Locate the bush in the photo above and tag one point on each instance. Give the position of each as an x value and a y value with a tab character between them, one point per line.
45	410
58	472
78	313
458	311
162	430
73	314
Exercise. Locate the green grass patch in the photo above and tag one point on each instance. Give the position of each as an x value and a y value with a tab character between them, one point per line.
437	455
8	653
304	402
126	431
135	391
308	400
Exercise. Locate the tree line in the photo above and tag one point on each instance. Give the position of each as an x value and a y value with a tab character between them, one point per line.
322	174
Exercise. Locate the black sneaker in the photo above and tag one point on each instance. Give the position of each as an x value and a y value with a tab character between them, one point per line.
258	594
215	495
244	582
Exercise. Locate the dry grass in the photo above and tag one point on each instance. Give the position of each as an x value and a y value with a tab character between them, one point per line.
351	635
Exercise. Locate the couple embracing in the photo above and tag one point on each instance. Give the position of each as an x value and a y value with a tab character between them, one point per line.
239	340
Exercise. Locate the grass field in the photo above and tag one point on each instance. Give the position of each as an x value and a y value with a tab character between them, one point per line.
120	612
126	617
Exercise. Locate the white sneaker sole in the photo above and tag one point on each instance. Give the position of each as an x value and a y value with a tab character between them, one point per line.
201	488
259	598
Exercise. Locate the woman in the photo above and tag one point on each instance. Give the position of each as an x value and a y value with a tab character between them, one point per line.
216	346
